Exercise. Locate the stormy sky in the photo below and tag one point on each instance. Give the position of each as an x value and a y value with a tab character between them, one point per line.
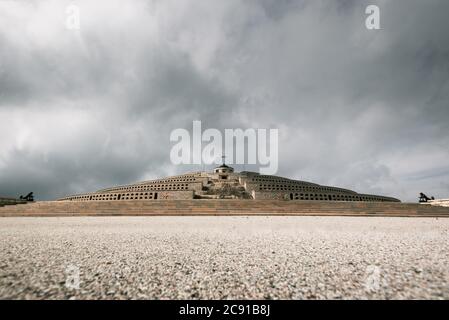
82	109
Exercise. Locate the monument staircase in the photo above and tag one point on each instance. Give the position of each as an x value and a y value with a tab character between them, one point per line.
222	207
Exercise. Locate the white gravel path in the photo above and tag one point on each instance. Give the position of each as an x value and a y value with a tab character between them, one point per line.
224	258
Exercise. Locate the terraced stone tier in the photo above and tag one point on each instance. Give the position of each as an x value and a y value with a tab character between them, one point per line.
222	207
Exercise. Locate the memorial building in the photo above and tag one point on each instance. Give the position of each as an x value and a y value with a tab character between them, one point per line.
225	183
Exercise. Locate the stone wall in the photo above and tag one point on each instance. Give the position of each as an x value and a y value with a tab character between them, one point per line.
326	196
269	195
141	195
176	195
280	195
293	191
195	184
175	180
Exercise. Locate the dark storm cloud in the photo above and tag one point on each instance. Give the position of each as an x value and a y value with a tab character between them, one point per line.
86	109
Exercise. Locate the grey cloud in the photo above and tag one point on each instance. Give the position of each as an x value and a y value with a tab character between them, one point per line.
366	110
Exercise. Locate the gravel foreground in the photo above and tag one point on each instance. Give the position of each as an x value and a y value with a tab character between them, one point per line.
224	258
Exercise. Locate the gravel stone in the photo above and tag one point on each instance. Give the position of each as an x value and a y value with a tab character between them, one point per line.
223	257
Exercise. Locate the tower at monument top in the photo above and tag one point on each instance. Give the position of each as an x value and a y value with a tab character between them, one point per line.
223	168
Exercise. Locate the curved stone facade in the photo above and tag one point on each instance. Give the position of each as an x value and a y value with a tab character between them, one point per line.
224	183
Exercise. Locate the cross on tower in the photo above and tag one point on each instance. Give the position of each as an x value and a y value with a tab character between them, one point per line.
223	157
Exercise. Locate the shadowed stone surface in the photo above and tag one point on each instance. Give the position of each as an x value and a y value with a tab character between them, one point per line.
225	257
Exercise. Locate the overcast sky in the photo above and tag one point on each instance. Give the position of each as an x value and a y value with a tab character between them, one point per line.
91	108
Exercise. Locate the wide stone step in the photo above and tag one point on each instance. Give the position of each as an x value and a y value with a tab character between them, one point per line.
222	207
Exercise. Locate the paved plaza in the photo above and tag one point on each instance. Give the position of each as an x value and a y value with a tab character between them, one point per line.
224	258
